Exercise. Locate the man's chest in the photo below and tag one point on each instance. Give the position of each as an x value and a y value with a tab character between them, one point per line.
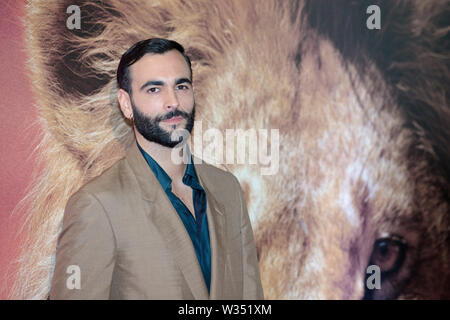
185	194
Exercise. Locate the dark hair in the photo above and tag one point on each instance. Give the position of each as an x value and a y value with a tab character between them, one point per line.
138	50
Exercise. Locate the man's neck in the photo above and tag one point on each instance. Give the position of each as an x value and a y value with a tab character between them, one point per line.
163	156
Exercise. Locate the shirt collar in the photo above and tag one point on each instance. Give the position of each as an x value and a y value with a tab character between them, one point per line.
190	177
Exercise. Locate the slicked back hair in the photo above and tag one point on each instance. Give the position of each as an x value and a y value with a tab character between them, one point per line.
138	50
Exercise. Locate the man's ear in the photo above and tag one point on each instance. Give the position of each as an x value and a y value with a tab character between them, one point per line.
125	103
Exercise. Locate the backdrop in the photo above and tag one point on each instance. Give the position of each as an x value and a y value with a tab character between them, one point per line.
19	132
343	105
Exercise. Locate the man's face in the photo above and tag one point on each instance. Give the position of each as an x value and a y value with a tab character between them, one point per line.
162	97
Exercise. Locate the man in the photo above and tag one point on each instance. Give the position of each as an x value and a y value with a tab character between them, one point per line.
150	227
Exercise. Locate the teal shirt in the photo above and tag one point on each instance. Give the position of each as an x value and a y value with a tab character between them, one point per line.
197	227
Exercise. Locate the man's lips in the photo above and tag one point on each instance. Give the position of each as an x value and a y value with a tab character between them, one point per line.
173	120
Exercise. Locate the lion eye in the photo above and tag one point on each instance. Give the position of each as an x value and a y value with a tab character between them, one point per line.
389	253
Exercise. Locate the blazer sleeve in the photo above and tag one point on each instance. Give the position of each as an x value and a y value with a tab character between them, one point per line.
85	253
252	287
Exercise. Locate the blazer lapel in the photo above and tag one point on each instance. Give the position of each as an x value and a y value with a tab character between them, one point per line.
217	232
165	218
179	243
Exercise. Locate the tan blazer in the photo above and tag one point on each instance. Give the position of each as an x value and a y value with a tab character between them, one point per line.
123	235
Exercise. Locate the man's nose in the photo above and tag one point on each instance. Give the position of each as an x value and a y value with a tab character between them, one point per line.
172	101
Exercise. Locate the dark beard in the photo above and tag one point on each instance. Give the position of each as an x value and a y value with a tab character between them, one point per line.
150	129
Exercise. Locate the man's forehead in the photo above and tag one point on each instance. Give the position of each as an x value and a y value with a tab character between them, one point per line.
169	65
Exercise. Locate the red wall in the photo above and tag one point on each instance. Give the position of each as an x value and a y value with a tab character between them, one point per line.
19	133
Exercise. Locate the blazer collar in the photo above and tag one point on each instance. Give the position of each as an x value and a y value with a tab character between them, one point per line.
148	184
165	218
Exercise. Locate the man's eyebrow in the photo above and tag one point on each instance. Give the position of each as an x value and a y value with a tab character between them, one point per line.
161	83
183	80
152	83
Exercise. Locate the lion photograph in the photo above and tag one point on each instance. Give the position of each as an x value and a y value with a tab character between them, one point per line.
362	115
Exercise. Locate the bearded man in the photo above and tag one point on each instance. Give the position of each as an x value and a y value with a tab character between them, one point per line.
150	227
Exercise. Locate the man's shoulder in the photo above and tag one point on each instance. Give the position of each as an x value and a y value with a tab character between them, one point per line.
218	176
111	181
212	169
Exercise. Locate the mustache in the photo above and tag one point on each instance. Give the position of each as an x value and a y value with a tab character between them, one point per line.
171	114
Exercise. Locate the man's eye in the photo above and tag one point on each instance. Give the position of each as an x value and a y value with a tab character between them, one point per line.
182	87
153	90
